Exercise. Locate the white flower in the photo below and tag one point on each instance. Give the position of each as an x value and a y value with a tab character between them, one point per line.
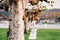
28	6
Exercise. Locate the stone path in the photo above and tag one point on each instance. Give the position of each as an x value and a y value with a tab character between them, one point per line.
33	34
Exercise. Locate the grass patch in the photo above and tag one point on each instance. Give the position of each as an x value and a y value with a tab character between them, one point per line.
27	36
42	34
3	34
48	34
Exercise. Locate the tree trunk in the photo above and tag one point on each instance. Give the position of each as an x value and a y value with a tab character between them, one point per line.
26	2
26	26
16	21
26	23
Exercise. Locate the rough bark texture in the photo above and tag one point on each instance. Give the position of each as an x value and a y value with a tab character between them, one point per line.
26	23
16	22
26	26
